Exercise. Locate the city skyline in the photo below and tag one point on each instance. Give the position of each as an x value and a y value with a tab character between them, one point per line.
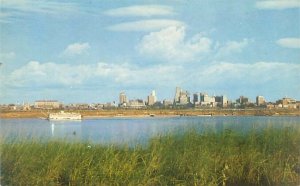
88	51
180	97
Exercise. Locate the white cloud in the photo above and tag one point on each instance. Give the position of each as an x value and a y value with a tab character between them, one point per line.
76	49
36	74
248	71
235	78
270	78
6	56
278	4
145	25
289	42
11	9
38	6
171	44
141	10
231	47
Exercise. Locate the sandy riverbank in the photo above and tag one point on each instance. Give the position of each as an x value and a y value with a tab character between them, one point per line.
125	113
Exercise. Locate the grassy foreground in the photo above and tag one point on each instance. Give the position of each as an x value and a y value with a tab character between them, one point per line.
268	157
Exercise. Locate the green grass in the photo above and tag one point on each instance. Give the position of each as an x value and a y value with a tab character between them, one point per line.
267	157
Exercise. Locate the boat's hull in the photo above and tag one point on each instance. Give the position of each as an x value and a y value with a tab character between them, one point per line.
64	116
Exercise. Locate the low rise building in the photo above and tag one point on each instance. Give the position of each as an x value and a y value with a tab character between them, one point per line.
26	107
167	103
109	105
47	104
137	103
287	103
270	105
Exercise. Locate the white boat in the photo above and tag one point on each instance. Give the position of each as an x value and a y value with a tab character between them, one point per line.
204	115
64	116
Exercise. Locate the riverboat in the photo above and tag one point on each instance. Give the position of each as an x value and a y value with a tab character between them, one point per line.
64	116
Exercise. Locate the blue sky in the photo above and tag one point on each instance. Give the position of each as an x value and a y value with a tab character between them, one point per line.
89	51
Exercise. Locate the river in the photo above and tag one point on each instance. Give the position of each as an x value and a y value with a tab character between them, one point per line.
133	130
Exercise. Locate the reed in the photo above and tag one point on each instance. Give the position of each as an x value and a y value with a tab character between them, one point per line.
260	157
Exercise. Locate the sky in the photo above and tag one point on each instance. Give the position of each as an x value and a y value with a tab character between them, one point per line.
91	50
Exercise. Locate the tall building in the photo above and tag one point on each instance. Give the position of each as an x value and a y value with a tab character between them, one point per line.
152	98
177	94
260	100
196	98
221	101
122	98
206	100
224	101
242	100
181	97
184	98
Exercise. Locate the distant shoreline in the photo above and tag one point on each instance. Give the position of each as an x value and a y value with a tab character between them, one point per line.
135	113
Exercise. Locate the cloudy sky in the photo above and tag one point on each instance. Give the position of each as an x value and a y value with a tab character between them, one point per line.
89	51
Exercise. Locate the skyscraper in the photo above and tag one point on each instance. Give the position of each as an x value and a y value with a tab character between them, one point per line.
243	100
152	98
181	97
221	101
196	98
122	98
177	94
260	100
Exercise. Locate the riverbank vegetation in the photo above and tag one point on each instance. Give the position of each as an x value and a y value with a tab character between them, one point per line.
261	157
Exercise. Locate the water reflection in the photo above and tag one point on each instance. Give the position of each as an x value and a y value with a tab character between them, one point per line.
66	129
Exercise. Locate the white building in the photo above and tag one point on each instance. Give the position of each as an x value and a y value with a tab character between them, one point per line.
206	100
181	97
47	104
137	103
260	100
151	98
122	99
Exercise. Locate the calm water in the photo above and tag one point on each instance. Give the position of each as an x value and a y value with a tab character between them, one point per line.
133	130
